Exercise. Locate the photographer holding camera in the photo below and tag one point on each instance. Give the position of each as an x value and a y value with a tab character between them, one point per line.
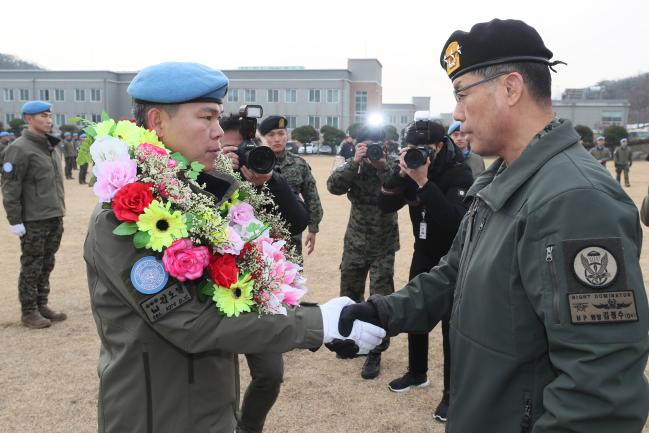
256	164
432	180
372	237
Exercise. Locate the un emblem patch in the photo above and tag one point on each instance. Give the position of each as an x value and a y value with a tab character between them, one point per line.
595	267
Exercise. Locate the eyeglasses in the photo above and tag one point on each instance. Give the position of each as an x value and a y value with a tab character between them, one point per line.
457	92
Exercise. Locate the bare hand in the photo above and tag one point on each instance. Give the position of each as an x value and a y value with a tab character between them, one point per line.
254	177
231	152
361	151
419	174
309	243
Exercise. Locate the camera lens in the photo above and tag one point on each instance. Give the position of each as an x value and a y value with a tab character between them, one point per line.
414	158
374	151
260	159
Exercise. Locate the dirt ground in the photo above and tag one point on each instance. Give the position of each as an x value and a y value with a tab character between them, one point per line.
48	378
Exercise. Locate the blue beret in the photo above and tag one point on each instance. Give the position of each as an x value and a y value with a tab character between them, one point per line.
455	126
11	134
82	136
600	137
67	134
4	134
35	107
177	82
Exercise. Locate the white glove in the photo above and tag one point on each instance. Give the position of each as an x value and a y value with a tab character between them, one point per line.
365	335
18	230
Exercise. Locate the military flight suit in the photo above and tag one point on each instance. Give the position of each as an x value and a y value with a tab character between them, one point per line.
298	174
372	237
623	159
168	361
32	190
549	314
601	154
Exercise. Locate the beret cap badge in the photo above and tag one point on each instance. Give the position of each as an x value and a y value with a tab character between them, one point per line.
452	57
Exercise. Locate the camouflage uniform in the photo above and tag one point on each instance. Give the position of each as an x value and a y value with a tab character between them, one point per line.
32	189
298	174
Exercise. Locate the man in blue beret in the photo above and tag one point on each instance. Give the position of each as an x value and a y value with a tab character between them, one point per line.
600	152
472	159
33	198
69	153
549	317
178	370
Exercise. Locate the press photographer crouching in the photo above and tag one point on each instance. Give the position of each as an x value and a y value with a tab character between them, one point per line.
256	164
432	180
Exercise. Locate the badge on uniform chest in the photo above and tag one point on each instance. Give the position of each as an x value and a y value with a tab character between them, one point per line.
597	283
423	227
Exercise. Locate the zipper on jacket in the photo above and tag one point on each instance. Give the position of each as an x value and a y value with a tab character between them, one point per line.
149	402
526	421
549	258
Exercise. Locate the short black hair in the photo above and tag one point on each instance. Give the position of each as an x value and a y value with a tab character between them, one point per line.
141	109
536	77
230	122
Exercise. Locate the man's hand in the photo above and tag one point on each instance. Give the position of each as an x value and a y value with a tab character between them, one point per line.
309	243
419	174
18	229
231	152
361	151
254	177
365	335
380	163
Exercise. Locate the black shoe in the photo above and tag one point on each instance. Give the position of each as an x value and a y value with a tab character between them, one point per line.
442	409
407	381
372	366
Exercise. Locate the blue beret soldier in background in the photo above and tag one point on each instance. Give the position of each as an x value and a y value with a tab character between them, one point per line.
549	313
69	153
472	159
623	160
178	370
33	198
600	152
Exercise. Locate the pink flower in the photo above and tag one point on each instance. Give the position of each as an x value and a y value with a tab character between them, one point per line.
273	250
292	295
234	244
112	175
184	261
290	272
146	150
242	214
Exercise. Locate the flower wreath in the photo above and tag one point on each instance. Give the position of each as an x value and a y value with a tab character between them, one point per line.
237	249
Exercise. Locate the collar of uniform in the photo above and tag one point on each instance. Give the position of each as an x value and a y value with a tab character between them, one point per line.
496	190
280	157
35	137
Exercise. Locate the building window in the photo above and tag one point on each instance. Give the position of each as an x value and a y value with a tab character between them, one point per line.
59	119
333	96
612	117
9	94
9	117
24	94
404	119
249	95
361	105
233	95
79	95
95	95
290	96
59	95
333	121
272	95
315	122
393	118
96	118
44	95
81	116
314	95
291	122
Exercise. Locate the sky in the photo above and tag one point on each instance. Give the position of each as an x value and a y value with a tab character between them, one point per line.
598	39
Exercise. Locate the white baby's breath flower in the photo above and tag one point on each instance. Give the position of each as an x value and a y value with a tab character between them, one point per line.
108	148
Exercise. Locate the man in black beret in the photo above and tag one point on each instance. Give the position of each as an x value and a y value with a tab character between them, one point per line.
549	318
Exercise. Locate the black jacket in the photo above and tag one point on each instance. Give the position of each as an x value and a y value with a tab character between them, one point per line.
441	199
291	207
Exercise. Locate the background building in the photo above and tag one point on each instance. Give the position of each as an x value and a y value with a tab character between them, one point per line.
316	97
587	107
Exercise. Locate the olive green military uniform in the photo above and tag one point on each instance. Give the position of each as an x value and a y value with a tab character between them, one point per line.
623	158
298	174
549	311
602	155
70	154
475	163
32	189
173	343
372	237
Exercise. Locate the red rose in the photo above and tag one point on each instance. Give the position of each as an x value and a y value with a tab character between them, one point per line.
131	200
223	270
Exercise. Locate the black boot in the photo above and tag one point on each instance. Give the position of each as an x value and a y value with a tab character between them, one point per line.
372	366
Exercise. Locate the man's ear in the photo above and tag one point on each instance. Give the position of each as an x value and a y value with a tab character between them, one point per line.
155	119
514	87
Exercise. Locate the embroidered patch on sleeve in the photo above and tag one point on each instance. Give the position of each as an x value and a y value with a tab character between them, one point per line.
164	302
597	285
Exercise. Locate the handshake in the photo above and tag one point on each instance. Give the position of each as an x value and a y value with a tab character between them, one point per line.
349	328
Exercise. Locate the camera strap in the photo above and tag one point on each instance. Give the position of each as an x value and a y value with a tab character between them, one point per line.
423	227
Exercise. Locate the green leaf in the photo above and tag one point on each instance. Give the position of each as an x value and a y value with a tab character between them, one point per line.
208	289
104	116
183	162
193	175
141	239
125	228
197	166
90	131
74	119
189	221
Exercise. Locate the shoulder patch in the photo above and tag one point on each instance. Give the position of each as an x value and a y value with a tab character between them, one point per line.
7	167
160	304
148	275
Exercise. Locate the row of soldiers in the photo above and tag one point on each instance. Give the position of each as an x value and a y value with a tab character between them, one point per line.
70	144
622	157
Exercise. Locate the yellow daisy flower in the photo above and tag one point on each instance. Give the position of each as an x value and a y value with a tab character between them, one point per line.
237	299
162	225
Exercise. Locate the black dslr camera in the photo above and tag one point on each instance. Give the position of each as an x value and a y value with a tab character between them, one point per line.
259	159
376	135
421	133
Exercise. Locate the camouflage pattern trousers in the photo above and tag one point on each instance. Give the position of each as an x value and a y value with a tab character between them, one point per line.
38	246
353	274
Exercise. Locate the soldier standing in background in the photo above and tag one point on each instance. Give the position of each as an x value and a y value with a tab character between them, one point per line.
32	189
298	174
622	156
600	152
473	160
372	237
83	168
69	153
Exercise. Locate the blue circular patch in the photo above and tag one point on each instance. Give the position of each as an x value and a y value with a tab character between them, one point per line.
7	167
148	275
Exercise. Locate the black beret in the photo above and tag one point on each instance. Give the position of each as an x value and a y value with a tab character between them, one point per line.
374	133
432	131
272	122
493	43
